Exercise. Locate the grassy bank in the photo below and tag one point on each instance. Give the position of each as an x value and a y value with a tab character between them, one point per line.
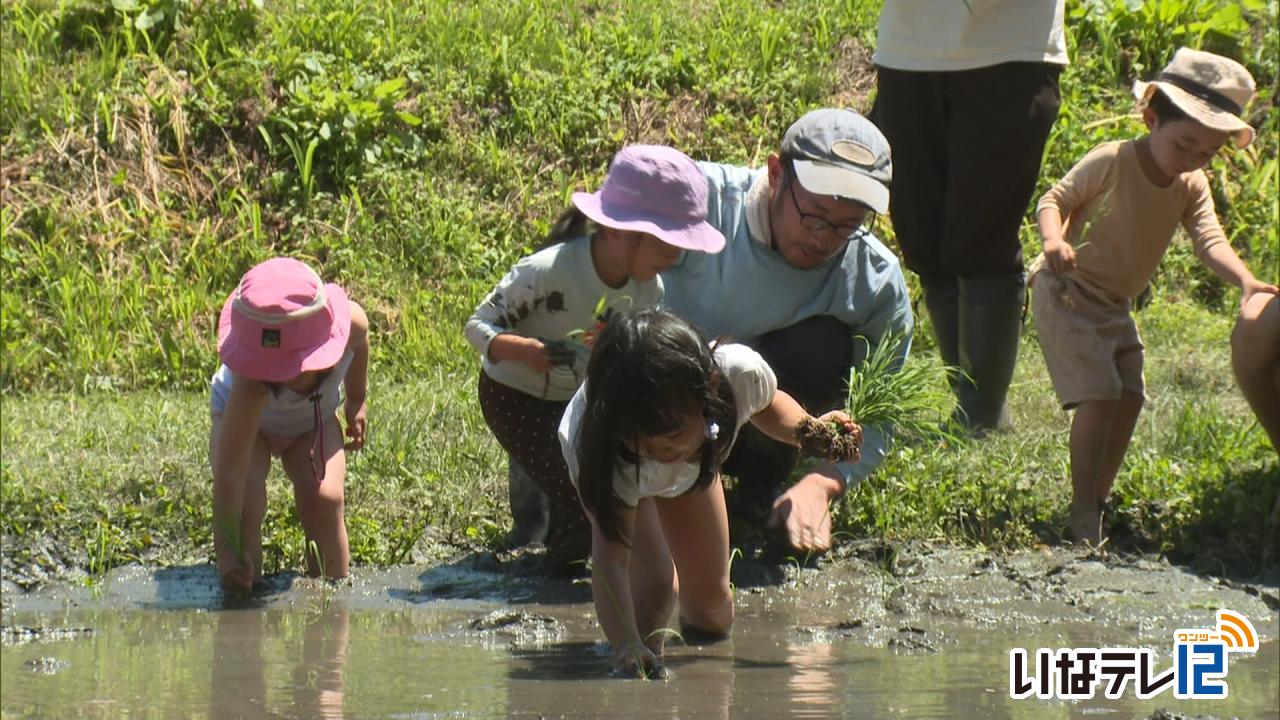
116	477
154	149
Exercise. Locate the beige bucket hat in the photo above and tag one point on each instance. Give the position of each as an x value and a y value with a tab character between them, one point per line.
1212	89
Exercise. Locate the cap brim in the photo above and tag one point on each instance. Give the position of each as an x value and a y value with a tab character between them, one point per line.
822	178
700	236
1201	111
246	360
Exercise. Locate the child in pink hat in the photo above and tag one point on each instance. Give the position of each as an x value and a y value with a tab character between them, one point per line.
533	330
290	343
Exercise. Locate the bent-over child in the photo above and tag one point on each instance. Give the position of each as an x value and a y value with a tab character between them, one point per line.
1105	227
534	328
289	343
1255	357
644	438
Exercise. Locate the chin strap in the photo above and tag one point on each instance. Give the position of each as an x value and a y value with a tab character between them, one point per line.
317	440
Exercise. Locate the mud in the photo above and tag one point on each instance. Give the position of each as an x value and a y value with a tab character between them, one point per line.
873	630
915	584
828	441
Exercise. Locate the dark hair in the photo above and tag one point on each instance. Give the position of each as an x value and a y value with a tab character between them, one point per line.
571	224
648	371
1164	108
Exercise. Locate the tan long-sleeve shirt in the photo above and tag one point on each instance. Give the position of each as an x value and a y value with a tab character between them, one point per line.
1121	224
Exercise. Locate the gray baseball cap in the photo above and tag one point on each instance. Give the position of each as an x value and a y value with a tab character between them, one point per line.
840	153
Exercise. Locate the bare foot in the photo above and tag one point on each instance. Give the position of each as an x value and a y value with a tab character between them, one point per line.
235	575
1086	523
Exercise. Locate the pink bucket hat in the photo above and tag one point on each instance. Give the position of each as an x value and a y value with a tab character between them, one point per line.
283	320
1212	89
658	190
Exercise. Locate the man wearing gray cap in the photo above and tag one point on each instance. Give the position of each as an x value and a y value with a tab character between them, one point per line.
802	280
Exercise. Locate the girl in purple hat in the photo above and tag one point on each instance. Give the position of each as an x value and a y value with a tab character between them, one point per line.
533	330
289	343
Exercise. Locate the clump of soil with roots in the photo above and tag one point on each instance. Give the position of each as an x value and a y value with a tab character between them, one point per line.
828	440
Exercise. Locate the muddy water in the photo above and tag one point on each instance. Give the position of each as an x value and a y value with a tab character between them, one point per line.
476	641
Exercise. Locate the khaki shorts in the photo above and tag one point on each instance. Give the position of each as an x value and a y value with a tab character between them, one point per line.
1090	344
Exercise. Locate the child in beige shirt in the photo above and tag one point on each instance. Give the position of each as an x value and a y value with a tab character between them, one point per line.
1105	227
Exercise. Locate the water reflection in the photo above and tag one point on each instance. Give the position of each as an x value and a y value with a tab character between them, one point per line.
811	685
240	663
311	658
545	681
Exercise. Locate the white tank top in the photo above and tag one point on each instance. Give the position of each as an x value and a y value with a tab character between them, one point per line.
288	413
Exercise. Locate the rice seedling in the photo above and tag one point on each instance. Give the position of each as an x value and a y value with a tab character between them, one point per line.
146	167
907	396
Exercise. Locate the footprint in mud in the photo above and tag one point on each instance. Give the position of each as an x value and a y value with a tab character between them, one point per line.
906	638
46	665
519	626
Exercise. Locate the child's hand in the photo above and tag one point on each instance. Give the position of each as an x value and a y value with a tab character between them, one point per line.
356	425
1251	288
1060	256
834	436
534	354
841	418
635	659
561	353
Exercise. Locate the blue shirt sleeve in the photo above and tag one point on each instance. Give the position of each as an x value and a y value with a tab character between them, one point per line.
892	317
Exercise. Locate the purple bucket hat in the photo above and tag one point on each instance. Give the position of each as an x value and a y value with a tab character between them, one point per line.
283	320
657	190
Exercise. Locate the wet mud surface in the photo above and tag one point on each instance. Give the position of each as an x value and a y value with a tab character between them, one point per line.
876	630
854	592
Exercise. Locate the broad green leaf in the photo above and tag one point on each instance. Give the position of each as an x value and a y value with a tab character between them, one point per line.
388	88
148	19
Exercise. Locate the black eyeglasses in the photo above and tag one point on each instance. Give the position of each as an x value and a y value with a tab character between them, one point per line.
816	223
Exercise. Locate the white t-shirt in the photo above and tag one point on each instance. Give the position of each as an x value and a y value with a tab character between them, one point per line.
754	385
549	295
945	35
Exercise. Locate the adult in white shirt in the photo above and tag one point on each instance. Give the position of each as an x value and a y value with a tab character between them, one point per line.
968	92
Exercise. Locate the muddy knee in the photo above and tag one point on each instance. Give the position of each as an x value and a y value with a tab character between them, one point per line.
708	621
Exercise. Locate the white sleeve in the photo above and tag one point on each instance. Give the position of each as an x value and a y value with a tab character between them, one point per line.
753	381
570	424
501	310
569	433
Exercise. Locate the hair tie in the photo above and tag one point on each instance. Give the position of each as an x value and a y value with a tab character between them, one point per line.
713	430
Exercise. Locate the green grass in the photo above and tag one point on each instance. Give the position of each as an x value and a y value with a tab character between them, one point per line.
153	150
1197	483
120	477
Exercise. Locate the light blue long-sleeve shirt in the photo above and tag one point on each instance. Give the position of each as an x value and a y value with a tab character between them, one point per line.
749	289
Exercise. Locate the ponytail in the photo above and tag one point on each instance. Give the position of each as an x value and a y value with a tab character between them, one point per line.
571	224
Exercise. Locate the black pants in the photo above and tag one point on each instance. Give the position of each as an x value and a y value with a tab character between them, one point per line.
966	156
526	428
812	360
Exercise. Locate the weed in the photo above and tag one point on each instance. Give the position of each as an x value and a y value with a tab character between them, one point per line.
153	150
